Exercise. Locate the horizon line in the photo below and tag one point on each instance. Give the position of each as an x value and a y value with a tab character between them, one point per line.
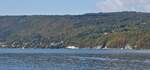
43	14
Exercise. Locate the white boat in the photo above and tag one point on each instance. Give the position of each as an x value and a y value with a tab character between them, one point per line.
22	47
72	47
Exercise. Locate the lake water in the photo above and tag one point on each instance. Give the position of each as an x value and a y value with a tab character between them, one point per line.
78	59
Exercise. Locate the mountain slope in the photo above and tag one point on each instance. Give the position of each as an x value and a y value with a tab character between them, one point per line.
86	30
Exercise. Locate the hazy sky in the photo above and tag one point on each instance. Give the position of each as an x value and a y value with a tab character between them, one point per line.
53	7
124	5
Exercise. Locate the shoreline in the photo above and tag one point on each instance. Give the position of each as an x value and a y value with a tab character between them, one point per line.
74	51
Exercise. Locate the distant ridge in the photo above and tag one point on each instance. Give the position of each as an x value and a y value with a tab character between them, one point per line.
85	30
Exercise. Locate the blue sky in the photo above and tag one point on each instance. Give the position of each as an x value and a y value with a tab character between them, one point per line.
20	7
61	7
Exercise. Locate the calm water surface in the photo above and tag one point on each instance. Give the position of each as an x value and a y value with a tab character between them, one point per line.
79	59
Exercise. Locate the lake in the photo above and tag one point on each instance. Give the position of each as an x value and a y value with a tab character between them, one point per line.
77	59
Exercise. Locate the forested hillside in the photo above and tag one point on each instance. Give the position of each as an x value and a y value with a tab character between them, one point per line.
113	30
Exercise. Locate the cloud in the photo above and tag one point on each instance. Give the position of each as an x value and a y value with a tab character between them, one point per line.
123	5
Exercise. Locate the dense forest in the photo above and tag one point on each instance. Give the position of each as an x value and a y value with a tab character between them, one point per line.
93	30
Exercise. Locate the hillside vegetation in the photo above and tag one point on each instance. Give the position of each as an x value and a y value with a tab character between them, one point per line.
112	30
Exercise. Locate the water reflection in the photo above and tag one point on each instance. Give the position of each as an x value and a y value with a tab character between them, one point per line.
74	61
